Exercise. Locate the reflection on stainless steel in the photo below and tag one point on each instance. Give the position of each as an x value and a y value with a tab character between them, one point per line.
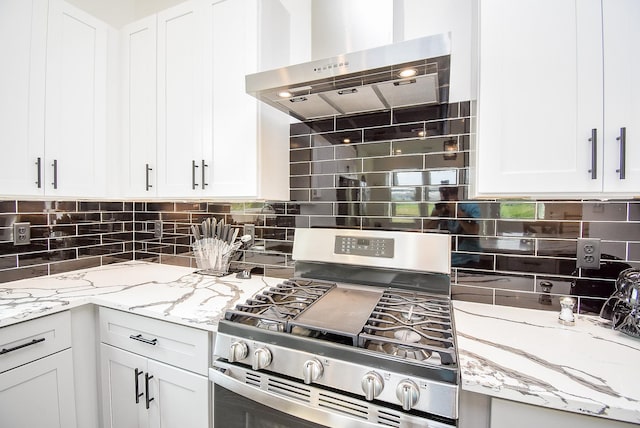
623	307
365	320
359	81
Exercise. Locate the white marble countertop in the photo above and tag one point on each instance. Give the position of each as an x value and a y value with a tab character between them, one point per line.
518	354
172	293
526	355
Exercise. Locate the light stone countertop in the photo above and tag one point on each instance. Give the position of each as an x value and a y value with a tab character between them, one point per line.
518	354
170	293
526	355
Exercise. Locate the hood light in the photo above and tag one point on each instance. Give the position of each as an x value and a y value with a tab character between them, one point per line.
285	94
347	91
298	99
404	82
408	72
346	140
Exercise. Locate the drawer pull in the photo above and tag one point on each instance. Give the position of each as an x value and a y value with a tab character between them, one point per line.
137	373
146	386
139	338
24	345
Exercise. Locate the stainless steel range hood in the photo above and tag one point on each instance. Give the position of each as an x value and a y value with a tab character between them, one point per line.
360	81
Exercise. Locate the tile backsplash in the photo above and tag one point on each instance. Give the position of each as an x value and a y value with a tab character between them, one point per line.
375	170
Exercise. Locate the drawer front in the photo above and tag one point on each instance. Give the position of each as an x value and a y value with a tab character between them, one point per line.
29	340
174	344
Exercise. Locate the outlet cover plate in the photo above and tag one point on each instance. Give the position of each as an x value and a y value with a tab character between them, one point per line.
22	233
588	253
157	229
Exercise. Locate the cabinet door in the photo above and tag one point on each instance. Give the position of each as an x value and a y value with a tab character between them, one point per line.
621	94
75	102
540	96
39	394
180	82
180	398
23	41
139	108
121	387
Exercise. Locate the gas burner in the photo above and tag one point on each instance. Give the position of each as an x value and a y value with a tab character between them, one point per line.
268	324
406	335
404	351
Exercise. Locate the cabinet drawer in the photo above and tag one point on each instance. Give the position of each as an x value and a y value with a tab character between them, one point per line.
163	341
27	341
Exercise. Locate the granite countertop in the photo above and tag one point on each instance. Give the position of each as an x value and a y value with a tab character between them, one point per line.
527	356
171	293
518	354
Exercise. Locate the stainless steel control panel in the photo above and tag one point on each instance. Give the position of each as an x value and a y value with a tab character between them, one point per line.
364	246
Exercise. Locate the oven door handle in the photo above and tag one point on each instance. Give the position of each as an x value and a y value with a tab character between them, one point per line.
219	376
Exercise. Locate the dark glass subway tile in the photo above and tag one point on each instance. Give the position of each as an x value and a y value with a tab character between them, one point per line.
317	208
466	259
496	280
634	251
449	160
117	216
363	150
634	211
70	265
303	142
379	194
302	168
372	179
299	195
299	128
454	110
556	248
527	300
392	163
335	167
366	120
535	265
395	132
516	210
217	208
336	138
471	294
391	223
504	245
540	229
322	154
458	126
8	261
191	207
8	207
465	108
611	231
160	206
302	182
420	113
34	219
300	155
408	195
321	125
46	206
420	145
23	273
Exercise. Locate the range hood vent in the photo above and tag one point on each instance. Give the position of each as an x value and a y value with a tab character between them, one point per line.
360	81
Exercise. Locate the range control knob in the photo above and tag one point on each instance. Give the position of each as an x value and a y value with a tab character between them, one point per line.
238	351
372	385
261	358
408	393
312	370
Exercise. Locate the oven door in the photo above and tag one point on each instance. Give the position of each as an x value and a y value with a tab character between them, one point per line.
258	399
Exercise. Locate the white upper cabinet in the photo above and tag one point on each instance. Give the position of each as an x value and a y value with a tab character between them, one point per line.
75	123
23	42
139	124
249	142
182	158
544	116
621	37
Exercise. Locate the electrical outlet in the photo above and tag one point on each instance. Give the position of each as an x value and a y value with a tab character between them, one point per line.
250	229
588	253
157	229
22	233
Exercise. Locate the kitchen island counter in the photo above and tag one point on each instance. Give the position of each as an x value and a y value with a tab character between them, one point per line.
527	356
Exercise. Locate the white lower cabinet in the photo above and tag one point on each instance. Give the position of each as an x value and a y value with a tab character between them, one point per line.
140	392
36	374
507	414
153	373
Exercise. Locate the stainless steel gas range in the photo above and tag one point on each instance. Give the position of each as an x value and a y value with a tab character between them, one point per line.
361	336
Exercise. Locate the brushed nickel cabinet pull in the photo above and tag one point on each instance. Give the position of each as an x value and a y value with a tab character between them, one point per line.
139	394
147	185
39	166
55	173
204	183
623	152
24	345
193	175
594	153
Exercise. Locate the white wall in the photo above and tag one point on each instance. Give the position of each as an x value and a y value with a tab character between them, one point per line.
426	17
